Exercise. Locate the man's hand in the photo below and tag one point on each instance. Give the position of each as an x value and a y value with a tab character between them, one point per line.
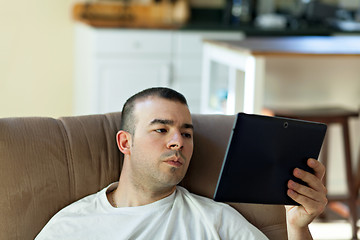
312	200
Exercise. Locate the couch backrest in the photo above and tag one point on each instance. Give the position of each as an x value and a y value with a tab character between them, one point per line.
49	163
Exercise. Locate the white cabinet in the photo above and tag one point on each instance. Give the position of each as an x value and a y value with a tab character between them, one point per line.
188	48
113	64
121	79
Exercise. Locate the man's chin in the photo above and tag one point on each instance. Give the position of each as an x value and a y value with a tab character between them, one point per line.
172	175
174	180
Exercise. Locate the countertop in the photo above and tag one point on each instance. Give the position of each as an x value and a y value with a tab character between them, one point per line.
250	30
306	45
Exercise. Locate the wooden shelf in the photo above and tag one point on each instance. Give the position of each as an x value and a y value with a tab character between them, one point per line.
117	14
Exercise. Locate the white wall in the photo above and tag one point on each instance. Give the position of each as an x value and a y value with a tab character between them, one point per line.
36	58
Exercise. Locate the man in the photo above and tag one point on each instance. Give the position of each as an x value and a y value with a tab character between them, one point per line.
156	140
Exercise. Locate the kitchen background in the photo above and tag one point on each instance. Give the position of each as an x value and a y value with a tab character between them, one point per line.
37	51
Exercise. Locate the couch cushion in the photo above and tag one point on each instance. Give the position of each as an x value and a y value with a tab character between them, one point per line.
46	164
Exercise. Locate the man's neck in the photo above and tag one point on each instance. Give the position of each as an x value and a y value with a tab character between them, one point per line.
128	194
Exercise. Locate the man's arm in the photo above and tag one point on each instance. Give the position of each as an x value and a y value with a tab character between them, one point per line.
312	200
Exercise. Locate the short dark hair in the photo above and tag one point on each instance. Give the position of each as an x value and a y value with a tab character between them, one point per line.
127	116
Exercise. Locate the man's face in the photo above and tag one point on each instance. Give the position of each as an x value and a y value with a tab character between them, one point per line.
162	144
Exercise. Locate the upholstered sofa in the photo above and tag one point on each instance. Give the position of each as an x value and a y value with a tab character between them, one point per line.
46	164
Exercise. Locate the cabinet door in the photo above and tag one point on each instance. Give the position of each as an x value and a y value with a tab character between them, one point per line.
113	64
119	80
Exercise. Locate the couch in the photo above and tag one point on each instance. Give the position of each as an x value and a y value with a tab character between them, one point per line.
48	163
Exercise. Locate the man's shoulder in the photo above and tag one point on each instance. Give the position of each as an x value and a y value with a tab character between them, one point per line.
206	202
82	204
76	212
204	199
222	216
91	203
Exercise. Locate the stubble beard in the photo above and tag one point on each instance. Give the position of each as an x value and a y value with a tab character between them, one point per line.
177	174
159	176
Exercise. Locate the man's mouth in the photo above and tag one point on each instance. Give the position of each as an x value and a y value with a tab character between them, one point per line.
174	159
174	163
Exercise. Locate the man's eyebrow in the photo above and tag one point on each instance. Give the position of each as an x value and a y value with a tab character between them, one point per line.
162	121
170	122
188	125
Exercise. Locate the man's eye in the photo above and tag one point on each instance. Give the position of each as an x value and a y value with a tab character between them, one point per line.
187	135
162	130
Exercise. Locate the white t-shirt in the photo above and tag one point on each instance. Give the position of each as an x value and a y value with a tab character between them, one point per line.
182	215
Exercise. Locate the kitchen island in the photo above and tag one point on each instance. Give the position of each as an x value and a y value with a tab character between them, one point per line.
283	72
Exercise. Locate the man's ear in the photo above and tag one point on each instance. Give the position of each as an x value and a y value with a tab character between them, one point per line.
123	140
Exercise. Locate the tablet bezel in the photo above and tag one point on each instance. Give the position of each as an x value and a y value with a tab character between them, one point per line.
253	182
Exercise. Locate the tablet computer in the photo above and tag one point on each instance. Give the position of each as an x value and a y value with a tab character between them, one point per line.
261	155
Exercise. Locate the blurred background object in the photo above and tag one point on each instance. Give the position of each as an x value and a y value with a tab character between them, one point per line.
37	39
133	14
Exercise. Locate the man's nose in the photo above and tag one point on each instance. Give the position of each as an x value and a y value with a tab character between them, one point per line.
176	141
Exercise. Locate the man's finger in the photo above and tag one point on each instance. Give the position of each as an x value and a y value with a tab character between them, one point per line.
312	207
312	181
319	168
316	195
